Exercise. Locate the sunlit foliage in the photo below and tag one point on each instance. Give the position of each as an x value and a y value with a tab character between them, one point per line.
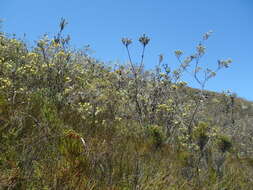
68	121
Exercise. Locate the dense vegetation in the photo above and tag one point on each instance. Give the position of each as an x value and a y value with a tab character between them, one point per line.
68	121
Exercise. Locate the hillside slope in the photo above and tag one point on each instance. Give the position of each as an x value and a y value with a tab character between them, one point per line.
68	121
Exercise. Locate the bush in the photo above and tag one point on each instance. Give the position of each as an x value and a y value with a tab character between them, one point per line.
68	121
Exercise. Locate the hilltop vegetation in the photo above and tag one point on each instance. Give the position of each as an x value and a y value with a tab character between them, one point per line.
68	121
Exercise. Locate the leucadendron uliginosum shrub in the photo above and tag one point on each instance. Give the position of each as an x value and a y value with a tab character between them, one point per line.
166	102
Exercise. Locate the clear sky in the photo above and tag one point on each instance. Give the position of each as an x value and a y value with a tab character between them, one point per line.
171	25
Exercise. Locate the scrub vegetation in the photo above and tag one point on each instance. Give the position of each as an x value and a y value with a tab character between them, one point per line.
69	121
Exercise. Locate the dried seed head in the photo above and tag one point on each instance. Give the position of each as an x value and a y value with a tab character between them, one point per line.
201	49
207	35
63	23
178	53
144	40
224	63
126	41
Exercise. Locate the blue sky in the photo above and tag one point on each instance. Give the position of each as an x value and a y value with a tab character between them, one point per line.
171	25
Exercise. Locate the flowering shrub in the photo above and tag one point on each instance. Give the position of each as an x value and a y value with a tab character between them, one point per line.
68	121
